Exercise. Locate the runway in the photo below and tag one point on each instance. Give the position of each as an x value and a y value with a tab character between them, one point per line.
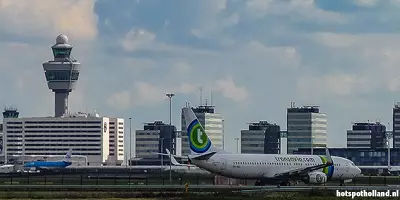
331	188
193	188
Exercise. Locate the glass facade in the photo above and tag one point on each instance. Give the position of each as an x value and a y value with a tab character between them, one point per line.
155	137
61	52
303	124
396	125
61	75
10	113
361	156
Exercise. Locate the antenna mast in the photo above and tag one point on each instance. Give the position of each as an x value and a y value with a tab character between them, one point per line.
201	95
211	99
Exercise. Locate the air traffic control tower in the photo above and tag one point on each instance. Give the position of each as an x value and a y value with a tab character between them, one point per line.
61	74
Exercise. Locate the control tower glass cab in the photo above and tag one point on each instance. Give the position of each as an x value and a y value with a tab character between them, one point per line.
62	73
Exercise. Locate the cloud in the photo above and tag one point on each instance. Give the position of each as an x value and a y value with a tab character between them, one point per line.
142	39
146	94
216	26
138	39
336	40
304	8
343	40
394	84
182	68
331	85
120	100
376	55
214	20
366	3
274	57
48	18
230	90
138	63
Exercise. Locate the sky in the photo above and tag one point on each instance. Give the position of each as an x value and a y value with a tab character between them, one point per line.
253	56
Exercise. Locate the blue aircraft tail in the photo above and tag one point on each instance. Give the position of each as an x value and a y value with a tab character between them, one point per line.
67	157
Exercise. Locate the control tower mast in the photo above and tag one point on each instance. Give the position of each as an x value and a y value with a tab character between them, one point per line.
61	74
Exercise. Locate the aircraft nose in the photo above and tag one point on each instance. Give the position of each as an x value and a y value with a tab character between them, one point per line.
358	170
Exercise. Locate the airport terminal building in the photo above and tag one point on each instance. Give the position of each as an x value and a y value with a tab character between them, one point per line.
99	139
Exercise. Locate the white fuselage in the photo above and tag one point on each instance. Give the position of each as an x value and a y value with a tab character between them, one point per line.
264	166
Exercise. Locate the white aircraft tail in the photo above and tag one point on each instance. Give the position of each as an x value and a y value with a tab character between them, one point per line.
67	157
199	143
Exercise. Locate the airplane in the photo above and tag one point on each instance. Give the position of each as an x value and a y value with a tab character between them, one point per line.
50	165
264	168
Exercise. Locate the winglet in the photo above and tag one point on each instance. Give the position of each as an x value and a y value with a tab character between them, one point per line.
173	160
328	157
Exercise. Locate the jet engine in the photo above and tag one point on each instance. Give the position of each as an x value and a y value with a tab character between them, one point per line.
316	178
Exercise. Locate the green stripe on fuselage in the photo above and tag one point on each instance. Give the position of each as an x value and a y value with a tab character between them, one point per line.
326	169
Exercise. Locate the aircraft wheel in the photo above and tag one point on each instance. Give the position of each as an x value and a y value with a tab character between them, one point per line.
286	183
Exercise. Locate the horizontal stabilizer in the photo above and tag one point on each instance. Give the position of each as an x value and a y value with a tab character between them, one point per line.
205	156
164	154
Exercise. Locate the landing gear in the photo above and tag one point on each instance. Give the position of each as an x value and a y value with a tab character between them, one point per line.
341	182
285	183
260	183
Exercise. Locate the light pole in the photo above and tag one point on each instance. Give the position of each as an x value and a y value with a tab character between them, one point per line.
170	95
223	134
237	145
389	135
162	158
130	141
312	140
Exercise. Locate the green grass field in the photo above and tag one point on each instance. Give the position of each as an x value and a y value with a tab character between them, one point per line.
84	180
126	196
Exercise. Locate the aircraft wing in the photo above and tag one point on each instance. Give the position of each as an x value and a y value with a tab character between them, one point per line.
164	154
304	171
300	172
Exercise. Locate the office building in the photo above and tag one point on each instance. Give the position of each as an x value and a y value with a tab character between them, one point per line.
367	135
178	143
155	137
261	138
283	143
116	141
212	123
306	126
396	125
88	135
1	139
